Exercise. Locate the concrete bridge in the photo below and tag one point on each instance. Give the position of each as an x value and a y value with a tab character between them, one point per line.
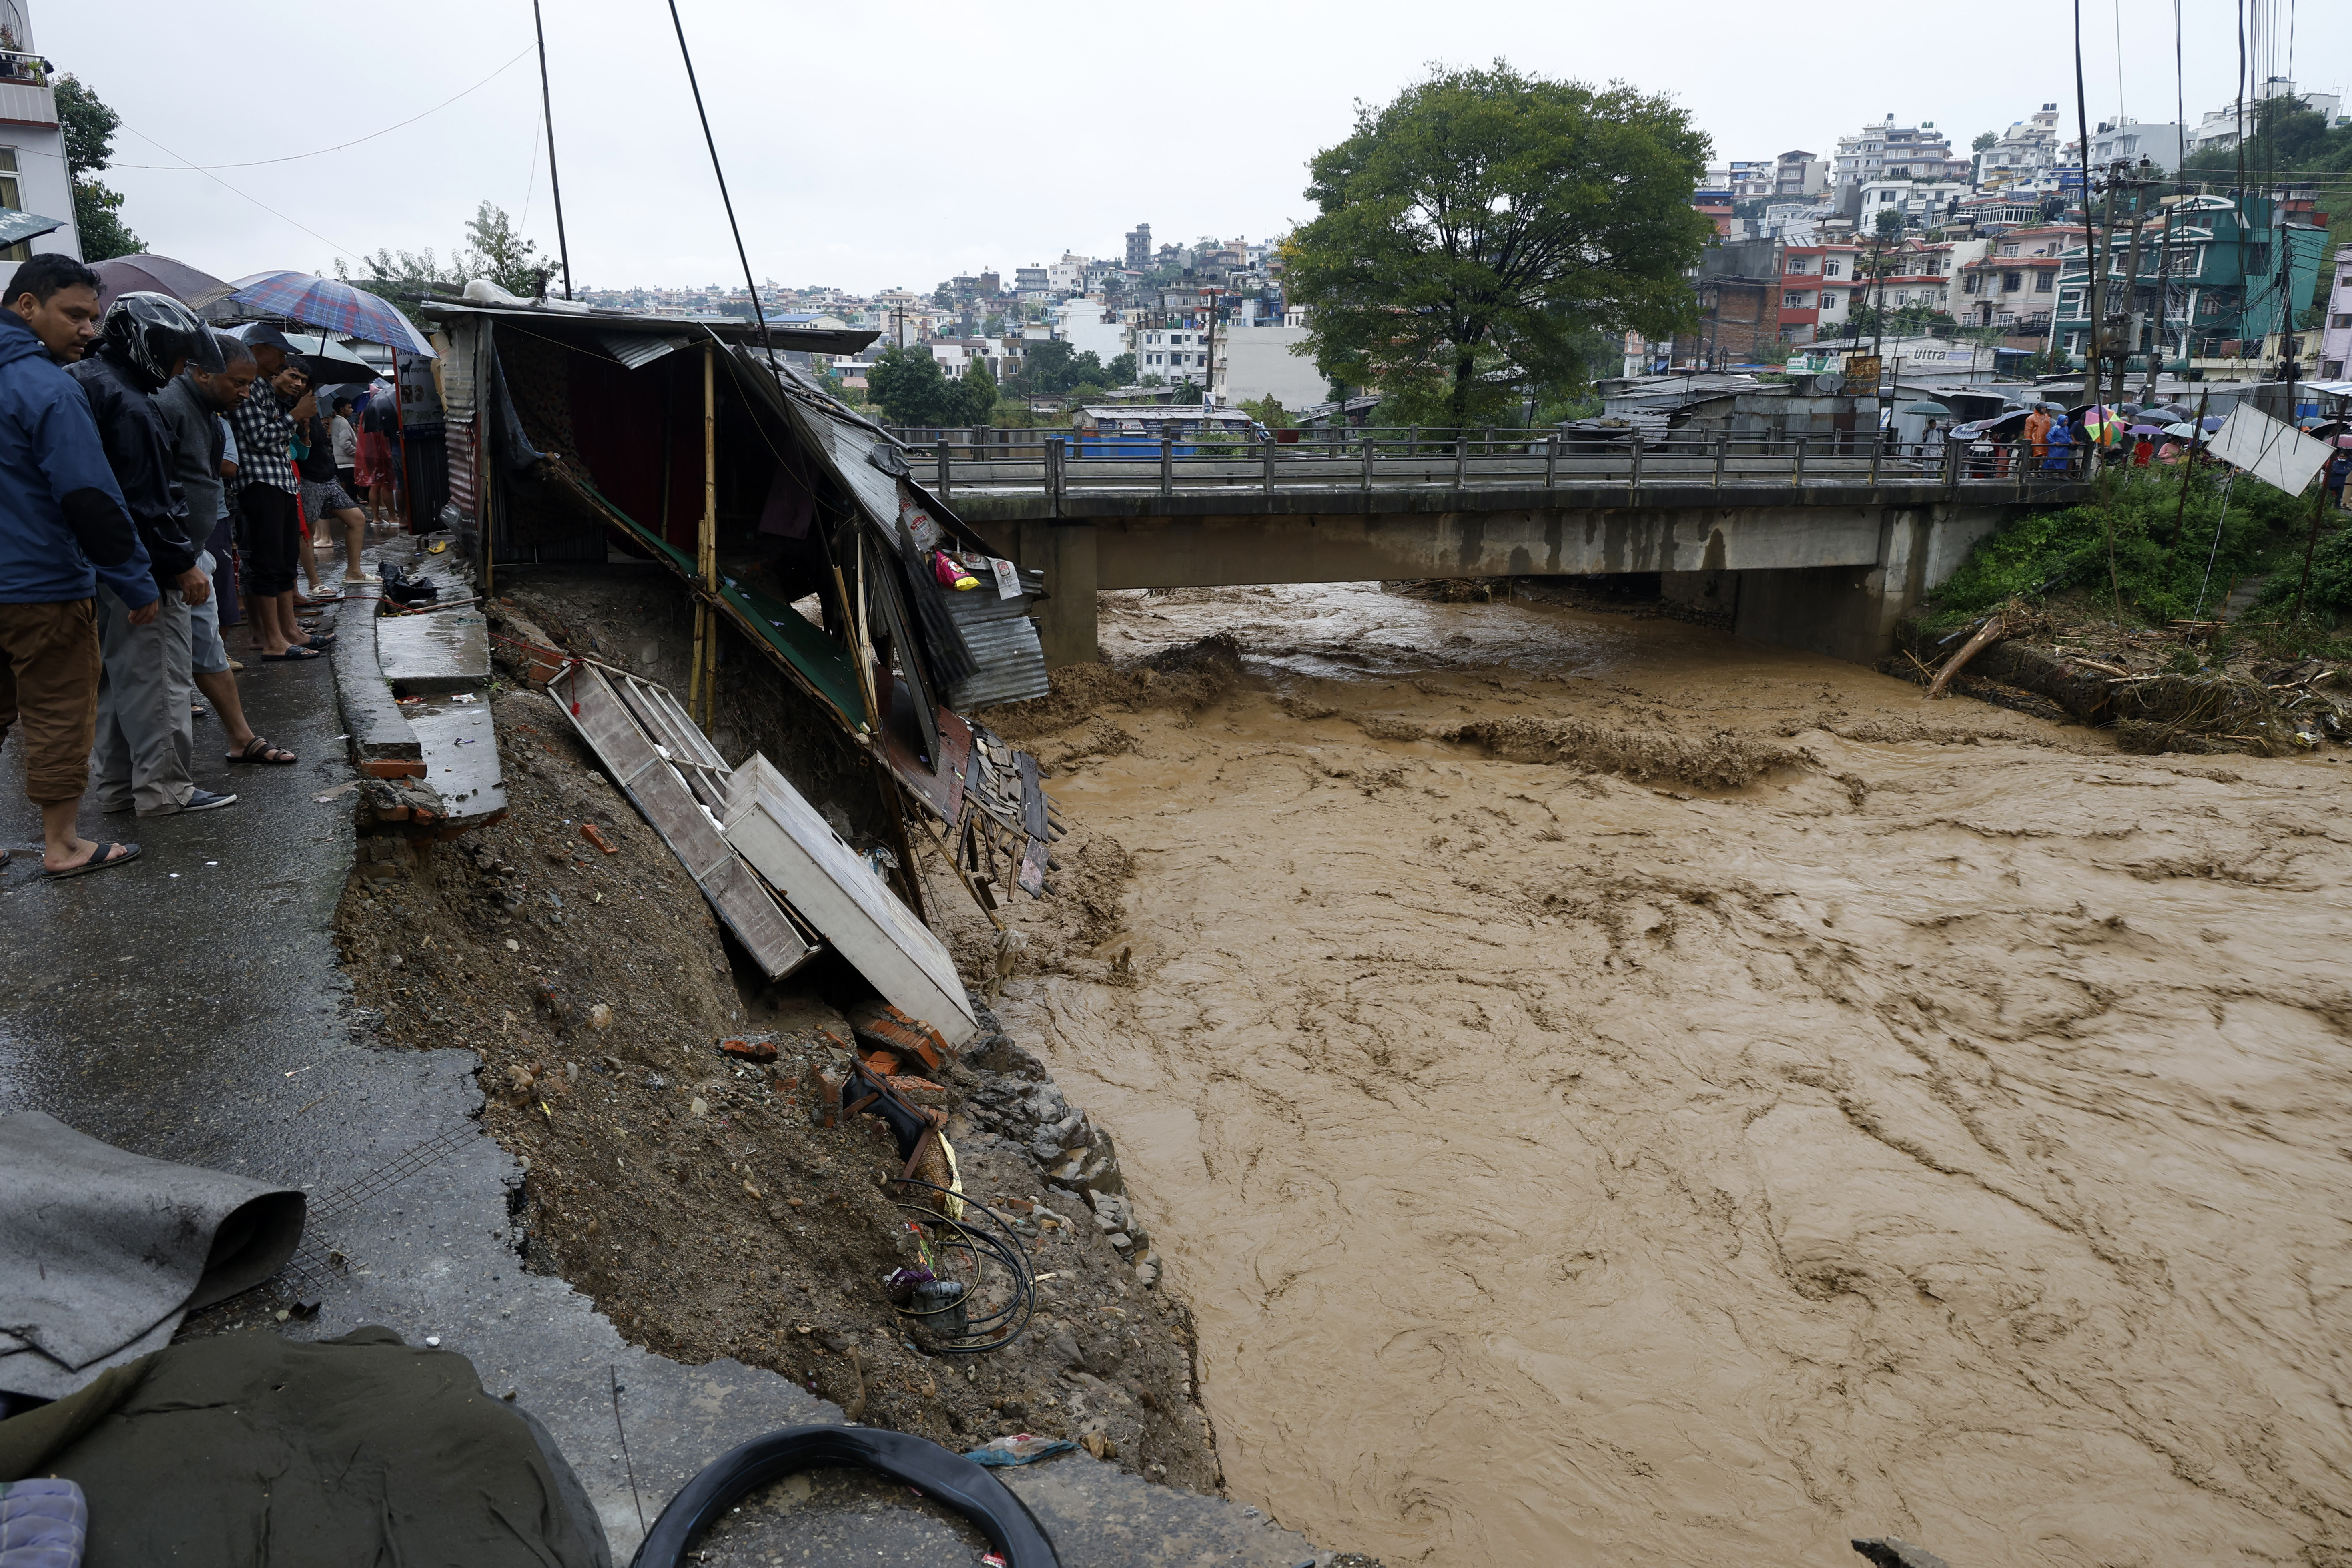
1818	546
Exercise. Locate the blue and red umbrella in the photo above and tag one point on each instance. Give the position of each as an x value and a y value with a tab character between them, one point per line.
333	304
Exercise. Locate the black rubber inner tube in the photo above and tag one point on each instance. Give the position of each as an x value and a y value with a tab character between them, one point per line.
953	1479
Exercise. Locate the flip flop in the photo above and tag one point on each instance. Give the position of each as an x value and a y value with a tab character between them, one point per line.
99	859
260	752
322	641
291	654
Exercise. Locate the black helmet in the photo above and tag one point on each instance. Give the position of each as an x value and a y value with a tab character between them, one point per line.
155	332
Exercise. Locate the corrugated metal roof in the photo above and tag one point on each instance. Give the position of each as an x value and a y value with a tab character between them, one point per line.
636	350
1010	664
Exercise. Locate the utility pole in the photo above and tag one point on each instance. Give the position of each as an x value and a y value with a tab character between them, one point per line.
2131	287
555	181
2163	299
2095	297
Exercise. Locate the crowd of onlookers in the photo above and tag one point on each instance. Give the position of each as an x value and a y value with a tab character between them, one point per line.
160	480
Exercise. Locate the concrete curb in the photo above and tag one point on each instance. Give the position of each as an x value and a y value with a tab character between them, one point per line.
382	743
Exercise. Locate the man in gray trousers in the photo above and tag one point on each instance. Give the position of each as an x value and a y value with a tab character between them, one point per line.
143	342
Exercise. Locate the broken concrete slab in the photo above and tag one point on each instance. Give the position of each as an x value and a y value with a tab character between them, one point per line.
438	650
459	748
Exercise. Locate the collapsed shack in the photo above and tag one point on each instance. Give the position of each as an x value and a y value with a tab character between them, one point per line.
579	437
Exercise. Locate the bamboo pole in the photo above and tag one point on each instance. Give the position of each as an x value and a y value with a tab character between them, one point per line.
705	681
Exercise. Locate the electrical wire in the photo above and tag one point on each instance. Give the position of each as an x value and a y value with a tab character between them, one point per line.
298	157
223	184
758	311
997	1329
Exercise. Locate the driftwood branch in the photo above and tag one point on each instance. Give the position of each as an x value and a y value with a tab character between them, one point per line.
1969	650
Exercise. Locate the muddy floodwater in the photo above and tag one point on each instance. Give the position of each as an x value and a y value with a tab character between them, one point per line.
1946	1133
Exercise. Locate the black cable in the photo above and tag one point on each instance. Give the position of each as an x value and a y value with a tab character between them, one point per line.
1008	1254
547	106
758	311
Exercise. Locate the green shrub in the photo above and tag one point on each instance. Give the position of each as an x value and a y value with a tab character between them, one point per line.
2049	552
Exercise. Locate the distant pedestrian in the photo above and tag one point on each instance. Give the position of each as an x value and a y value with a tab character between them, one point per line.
2143	452
344	437
146	340
2037	432
379	429
192	406
63	530
2060	445
266	494
324	503
2339	468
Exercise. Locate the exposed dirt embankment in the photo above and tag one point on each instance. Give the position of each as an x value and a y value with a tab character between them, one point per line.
1944	1139
687	1192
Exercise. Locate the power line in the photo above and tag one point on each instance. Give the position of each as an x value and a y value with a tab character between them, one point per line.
223	184
758	311
298	157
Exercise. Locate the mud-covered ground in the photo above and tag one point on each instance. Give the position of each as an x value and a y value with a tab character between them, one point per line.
687	1192
1615	1093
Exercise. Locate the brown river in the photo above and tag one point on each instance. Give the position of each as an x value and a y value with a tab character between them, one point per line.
1946	1132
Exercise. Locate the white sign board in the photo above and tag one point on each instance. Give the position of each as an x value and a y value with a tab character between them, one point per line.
2269	449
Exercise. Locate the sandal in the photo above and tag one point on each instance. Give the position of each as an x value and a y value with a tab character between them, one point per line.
99	859
260	752
291	654
322	641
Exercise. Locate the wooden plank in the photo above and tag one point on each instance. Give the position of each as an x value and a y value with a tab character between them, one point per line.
1032	794
659	792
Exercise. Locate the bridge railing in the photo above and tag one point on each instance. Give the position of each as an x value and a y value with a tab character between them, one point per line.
1059	463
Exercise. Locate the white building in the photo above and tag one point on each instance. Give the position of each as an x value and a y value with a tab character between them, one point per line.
1887	150
2336	334
1089	327
33	177
1256	362
2024	155
2123	140
2218	128
1175	354
1922	203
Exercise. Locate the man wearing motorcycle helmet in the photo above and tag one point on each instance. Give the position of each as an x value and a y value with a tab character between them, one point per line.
143	342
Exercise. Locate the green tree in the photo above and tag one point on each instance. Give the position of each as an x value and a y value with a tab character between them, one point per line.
1470	229
1985	139
1269	412
497	252
89	126
911	389
978	394
1121	370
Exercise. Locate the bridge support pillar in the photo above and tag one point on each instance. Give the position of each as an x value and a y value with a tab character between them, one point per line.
1850	612
1066	626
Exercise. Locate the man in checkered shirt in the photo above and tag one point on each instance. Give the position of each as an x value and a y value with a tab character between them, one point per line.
266	491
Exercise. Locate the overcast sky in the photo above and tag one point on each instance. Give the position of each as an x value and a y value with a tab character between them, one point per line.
874	143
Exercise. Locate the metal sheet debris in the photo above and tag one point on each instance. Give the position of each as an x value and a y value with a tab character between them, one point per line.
659	790
769	824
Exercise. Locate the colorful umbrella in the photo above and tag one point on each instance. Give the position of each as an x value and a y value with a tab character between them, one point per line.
157	275
2100	423
333	304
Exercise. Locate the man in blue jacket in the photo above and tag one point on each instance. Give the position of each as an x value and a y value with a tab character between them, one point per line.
63	529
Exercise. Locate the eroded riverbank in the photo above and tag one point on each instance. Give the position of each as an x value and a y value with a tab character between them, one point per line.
1943	1134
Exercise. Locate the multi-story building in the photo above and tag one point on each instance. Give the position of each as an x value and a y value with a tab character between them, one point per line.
2219	129
2123	140
2335	333
1919	274
2014	284
2230	273
1800	173
1924	204
1139	248
1888	151
1817	286
33	178
2025	156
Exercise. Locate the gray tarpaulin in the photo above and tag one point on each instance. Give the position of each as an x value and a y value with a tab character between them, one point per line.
104	1252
